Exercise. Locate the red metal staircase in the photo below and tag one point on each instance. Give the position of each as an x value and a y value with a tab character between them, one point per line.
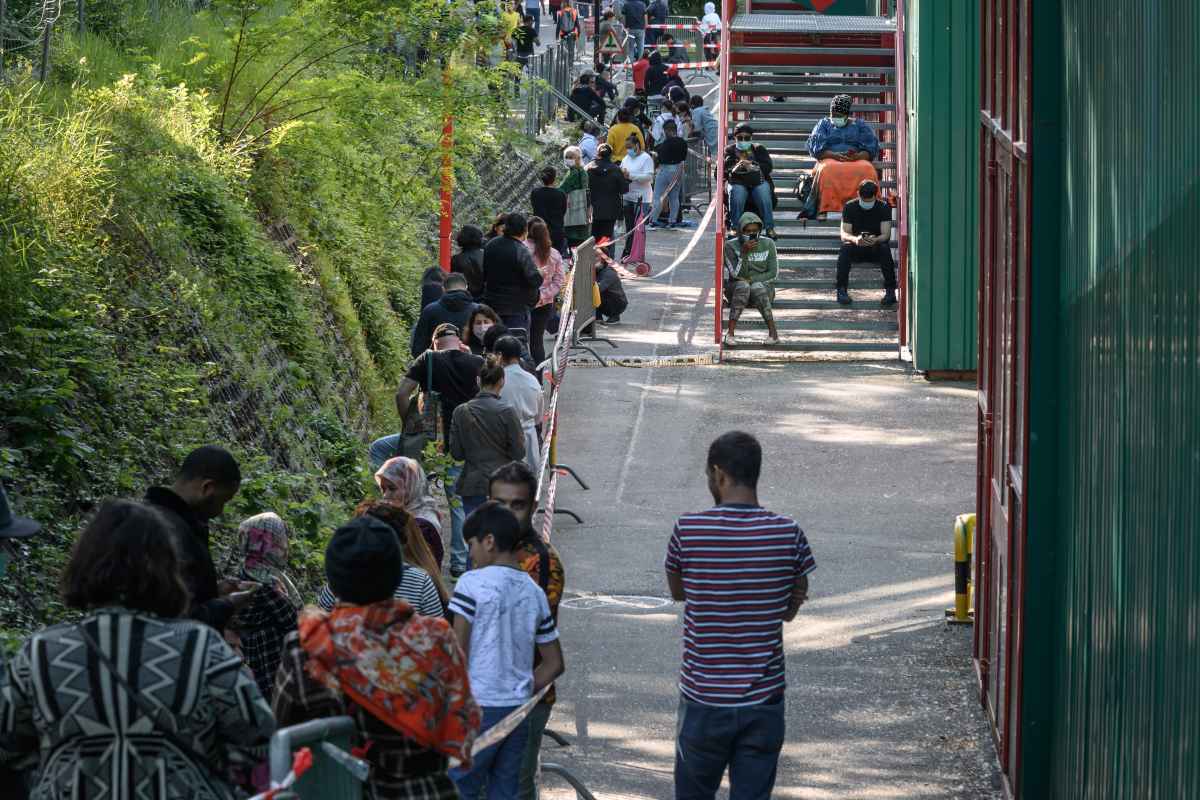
779	72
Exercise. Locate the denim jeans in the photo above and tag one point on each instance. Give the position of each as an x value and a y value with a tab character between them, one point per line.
636	43
499	766
470	502
516	321
747	739
537	726
386	447
536	13
668	174
762	197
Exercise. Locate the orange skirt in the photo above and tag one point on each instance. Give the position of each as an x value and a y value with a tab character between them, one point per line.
837	181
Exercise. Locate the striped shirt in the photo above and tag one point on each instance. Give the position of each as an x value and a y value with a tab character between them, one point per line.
739	564
416	588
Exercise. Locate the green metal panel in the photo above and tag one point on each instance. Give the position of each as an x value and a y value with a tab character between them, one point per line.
1112	685
943	98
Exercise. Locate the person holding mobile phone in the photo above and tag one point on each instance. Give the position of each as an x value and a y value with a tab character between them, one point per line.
866	236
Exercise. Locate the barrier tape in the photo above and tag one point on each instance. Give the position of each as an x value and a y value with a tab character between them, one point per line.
635	362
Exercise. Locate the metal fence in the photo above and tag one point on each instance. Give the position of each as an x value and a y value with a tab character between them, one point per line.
547	82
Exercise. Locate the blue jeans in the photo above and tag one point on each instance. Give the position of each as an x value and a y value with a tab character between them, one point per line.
386	447
636	43
536	13
747	739
470	502
515	321
663	188
499	766
762	197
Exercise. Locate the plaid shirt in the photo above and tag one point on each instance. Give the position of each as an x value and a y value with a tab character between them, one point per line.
552	584
400	768
262	626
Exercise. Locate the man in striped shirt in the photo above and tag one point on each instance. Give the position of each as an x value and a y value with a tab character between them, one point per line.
742	572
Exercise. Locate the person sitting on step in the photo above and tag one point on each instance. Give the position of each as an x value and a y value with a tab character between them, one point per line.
751	267
844	147
866	236
748	174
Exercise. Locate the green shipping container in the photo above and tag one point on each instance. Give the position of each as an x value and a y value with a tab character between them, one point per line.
1111	701
942	85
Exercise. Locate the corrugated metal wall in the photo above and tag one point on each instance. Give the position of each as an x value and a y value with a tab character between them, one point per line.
943	92
1113	674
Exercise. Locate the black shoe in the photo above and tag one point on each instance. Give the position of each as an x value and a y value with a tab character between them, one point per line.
615	319
889	299
843	297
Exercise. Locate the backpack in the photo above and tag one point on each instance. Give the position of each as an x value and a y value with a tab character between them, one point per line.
568	24
807	193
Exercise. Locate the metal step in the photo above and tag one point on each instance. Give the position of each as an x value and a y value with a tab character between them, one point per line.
831	304
801	69
801	89
810	23
821	51
805	126
826	283
816	345
865	326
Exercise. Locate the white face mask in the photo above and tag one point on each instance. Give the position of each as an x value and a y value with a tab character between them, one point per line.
570	162
866	204
481	329
839	122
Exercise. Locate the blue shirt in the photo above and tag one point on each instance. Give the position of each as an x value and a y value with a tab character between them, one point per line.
856	135
706	123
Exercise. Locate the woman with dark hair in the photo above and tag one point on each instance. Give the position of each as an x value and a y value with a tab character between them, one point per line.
130	693
550	264
420	580
468	261
550	204
481	321
497	228
485	433
431	285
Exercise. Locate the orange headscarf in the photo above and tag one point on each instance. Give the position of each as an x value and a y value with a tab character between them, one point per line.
405	669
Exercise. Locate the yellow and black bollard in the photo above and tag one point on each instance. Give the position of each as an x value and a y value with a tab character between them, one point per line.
964	548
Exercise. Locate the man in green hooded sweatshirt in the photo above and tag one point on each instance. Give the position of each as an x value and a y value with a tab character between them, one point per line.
751	267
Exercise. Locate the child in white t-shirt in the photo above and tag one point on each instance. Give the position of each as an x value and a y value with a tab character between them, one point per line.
501	617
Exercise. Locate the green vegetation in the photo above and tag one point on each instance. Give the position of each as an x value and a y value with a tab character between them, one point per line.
147	301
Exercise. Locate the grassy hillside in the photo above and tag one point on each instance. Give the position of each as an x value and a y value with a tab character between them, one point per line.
211	228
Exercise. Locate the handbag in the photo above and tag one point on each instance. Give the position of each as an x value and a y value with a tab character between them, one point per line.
421	427
576	208
807	193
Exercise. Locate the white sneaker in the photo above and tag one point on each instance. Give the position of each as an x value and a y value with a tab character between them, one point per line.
772	340
730	340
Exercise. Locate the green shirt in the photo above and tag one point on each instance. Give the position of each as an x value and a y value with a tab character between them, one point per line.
759	265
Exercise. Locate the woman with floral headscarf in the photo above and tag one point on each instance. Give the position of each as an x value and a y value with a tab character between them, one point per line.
402	482
271	613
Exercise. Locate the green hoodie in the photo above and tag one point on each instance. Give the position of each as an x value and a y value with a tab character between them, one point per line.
759	264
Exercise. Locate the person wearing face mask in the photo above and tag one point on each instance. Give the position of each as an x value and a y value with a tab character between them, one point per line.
748	174
866	236
710	28
844	147
480	322
577	220
638	169
751	268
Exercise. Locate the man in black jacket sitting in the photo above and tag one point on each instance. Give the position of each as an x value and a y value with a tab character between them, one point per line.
454	306
510	278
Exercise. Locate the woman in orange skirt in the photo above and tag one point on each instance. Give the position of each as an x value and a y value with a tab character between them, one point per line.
844	147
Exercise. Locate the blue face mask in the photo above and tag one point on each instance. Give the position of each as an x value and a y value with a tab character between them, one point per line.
867	204
839	122
744	145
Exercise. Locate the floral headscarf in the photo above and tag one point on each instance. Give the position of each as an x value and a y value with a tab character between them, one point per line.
410	489
263	543
405	669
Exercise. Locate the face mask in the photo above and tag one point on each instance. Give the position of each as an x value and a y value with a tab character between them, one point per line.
570	162
839	122
480	330
866	204
744	145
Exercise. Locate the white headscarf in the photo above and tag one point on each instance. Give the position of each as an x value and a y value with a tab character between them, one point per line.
711	21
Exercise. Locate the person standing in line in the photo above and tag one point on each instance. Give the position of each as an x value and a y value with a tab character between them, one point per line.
587	142
705	123
550	204
577	219
638	169
523	394
618	134
510	278
515	487
89	697
668	183
502	619
606	185
484	434
455	375
567	28
635	23
402	482
656	14
550	264
525	41
737	567
710	28
468	261
400	675
482	321
207	480
455	306
639	69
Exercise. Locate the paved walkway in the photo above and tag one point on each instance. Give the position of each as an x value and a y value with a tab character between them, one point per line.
871	460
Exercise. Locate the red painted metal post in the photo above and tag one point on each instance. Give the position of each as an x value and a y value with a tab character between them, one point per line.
447	212
728	9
